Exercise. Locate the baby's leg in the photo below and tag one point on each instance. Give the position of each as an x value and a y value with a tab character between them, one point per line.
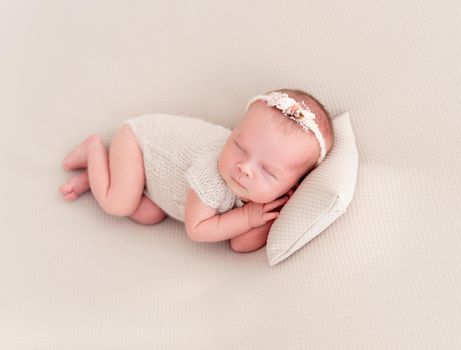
148	213
117	181
76	159
77	185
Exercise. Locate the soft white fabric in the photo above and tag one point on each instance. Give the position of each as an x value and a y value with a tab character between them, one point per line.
320	199
178	148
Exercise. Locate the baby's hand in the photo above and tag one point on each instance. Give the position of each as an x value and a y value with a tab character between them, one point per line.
258	214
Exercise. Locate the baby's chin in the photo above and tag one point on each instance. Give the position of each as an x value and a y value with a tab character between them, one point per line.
234	188
238	191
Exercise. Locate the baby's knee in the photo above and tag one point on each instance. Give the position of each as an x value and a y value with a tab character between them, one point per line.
95	138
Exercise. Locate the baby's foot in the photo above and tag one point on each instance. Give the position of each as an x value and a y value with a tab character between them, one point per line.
78	184
76	159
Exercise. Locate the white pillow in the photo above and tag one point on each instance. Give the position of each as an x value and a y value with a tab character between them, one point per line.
320	199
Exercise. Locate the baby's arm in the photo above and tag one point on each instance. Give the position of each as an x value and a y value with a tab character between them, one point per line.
204	225
256	237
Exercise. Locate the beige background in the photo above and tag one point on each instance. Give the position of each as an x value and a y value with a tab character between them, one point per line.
386	275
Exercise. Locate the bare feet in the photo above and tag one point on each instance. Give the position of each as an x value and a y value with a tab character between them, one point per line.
76	159
78	184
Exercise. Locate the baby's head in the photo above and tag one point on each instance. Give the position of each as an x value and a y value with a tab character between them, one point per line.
268	153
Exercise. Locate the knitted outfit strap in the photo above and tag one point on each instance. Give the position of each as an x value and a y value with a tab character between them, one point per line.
297	111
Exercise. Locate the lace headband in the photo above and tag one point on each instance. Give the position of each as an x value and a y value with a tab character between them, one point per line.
297	111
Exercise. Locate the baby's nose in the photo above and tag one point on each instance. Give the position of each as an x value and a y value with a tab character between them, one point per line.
246	169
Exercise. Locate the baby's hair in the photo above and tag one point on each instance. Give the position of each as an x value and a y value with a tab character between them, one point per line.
322	118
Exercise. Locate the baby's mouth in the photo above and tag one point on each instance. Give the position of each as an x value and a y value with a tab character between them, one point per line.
239	189
238	183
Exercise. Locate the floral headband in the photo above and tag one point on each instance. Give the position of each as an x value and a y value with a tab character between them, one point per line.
297	111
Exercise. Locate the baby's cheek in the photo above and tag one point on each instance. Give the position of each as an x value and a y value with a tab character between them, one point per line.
266	193
223	161
226	165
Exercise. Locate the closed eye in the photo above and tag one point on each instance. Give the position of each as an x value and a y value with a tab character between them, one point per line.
239	146
267	171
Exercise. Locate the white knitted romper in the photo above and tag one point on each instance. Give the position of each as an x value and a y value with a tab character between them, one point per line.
180	153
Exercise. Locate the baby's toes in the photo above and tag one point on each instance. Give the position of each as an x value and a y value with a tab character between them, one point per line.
68	192
66	188
66	165
71	196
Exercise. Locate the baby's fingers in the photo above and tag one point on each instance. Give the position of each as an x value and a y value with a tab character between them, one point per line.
270	216
275	204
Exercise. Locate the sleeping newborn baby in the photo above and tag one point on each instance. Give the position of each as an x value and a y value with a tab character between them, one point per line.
223	184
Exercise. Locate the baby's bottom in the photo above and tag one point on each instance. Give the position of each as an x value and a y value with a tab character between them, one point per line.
116	179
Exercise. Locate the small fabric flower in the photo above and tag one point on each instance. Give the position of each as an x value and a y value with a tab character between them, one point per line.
274	97
285	102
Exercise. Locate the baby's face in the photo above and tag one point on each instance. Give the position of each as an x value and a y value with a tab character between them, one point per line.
259	162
